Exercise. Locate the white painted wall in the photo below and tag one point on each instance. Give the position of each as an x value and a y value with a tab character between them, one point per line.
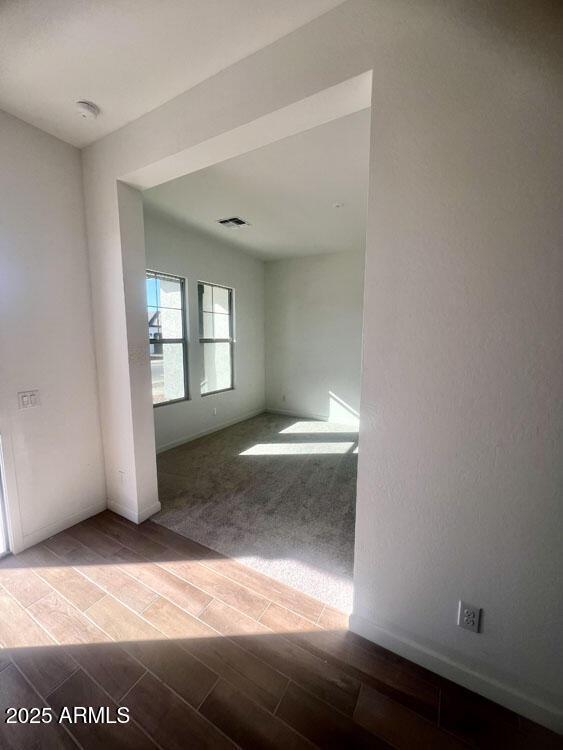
130	464
176	249
459	469
314	335
53	455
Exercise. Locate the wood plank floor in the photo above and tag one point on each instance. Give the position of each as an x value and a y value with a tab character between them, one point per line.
206	653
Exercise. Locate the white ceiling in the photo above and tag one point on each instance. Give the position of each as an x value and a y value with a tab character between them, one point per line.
128	56
286	191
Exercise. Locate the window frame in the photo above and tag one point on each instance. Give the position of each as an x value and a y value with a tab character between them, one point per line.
231	340
151	273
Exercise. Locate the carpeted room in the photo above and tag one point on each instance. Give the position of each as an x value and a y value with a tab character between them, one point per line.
277	499
256	333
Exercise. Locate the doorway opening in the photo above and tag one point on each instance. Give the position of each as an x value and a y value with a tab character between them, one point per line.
254	301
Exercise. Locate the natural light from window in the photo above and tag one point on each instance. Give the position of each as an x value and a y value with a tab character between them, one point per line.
167	337
314	427
296	449
341	412
216	335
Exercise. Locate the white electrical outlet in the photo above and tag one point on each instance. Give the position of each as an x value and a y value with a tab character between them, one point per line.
469	616
214	412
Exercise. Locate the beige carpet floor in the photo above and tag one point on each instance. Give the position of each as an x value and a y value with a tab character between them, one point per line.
275	492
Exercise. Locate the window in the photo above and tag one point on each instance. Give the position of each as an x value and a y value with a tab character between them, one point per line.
166	306
216	336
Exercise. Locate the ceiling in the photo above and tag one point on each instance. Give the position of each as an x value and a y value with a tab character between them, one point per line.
286	191
128	56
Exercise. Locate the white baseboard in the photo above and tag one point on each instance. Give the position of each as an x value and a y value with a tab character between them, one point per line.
130	513
148	512
28	540
543	713
215	428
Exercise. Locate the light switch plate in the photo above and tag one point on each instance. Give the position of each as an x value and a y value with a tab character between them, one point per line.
28	399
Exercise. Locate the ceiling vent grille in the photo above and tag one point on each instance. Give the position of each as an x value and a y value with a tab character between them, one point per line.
234	221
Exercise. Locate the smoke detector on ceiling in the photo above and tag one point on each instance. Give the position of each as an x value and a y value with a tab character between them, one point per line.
234	221
87	110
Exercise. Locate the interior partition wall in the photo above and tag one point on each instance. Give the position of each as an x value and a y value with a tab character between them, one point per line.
460	435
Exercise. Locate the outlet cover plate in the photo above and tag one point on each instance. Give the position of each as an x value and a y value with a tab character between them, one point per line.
469	616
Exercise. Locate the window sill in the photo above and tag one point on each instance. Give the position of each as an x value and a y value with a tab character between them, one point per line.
213	393
174	401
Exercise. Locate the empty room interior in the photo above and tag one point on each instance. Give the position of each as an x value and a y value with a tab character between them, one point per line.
281	391
255	280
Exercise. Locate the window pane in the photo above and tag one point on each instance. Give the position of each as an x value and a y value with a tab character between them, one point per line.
171	322
167	371
165	313
152	291
220	300
154	323
208	326
170	293
216	367
207	297
221	326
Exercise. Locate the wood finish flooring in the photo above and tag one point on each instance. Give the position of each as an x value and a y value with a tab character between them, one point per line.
206	653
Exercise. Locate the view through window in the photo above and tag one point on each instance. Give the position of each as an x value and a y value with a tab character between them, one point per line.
166	309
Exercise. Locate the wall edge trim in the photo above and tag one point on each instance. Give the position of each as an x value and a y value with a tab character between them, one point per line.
35	537
132	514
542	713
215	428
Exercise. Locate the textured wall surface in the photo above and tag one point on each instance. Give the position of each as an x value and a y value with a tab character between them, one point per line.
314	335
173	249
52	453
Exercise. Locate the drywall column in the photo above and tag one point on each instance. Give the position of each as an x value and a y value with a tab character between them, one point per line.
117	252
132	234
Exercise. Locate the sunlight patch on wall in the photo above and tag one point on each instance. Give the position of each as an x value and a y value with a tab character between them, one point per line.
342	413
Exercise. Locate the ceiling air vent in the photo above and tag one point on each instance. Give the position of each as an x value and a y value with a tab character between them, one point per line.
234	221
